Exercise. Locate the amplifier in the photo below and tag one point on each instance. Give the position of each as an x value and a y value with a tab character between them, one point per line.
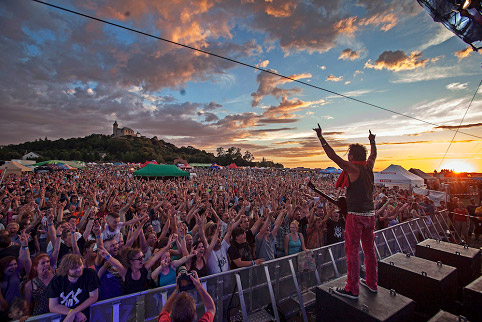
464	258
386	305
432	285
473	300
443	316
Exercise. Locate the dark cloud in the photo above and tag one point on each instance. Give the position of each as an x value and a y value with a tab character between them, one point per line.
348	54
262	131
269	86
452	127
277	120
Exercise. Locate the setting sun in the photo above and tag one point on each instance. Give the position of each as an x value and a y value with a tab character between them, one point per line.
459	166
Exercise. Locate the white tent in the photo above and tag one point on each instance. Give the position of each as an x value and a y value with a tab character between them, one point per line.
396	175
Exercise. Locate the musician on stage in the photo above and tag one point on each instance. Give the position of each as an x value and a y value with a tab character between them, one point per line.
357	178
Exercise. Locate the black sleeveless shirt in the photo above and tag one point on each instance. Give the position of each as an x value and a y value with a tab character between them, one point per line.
359	194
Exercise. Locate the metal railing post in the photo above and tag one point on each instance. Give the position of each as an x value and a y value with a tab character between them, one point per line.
426	226
333	262
140	307
271	293
413	233
220	295
300	298
241	297
386	243
376	249
396	239
443	229
406	239
116	312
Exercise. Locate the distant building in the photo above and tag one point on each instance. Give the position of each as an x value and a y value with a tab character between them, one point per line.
31	155
125	131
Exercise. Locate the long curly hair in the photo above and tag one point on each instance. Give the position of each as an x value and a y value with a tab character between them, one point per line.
128	254
69	261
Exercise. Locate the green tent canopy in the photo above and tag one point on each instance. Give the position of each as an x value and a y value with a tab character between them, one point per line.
73	164
161	170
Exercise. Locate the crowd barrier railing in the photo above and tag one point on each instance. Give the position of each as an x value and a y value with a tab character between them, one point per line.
248	291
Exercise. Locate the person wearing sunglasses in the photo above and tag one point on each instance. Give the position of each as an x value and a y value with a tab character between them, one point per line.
132	268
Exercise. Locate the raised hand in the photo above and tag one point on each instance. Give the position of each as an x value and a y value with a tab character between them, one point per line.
371	136
318	130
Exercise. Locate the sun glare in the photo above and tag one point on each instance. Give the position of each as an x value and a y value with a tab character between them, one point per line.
459	166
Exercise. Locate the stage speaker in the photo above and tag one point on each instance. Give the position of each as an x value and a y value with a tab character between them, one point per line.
464	258
473	300
386	305
443	316
432	285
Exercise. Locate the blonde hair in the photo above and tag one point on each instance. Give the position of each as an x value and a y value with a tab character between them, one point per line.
69	261
295	222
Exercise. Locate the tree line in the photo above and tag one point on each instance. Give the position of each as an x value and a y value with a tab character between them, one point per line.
104	148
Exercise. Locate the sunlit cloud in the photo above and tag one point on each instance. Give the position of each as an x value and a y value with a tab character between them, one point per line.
333	78
463	53
397	61
348	54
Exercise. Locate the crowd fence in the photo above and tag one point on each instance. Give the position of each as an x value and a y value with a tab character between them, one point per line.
250	290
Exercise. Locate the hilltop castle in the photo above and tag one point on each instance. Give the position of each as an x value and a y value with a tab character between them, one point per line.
125	131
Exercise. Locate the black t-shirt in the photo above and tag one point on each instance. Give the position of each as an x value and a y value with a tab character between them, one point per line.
70	294
243	251
335	230
471	209
134	286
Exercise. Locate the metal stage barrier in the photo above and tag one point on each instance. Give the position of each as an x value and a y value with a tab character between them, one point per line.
252	289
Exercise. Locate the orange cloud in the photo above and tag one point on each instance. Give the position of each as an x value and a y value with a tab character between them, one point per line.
398	61
284	109
333	78
387	21
280	10
349	54
464	53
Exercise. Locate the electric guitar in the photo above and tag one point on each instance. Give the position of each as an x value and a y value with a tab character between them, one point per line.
340	203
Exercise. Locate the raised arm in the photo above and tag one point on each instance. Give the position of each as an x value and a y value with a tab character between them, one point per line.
214	240
278	222
345	165
113	261
154	258
373	150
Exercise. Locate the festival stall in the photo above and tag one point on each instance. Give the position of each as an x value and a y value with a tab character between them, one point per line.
161	170
233	166
396	175
185	166
214	166
14	167
330	170
149	162
72	164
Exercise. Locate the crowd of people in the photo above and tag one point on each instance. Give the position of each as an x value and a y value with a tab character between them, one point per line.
71	238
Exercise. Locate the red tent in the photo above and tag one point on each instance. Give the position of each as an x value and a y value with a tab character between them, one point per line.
232	166
148	162
185	166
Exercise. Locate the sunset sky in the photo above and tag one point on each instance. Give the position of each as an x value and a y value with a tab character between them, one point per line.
63	75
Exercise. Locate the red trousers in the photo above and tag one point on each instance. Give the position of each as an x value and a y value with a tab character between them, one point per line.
360	228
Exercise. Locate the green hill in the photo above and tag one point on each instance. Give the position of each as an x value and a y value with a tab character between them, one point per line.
98	147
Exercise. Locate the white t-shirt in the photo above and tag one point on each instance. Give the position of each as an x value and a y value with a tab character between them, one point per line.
116	234
219	259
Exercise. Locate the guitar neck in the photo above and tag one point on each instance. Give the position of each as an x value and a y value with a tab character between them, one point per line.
330	199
